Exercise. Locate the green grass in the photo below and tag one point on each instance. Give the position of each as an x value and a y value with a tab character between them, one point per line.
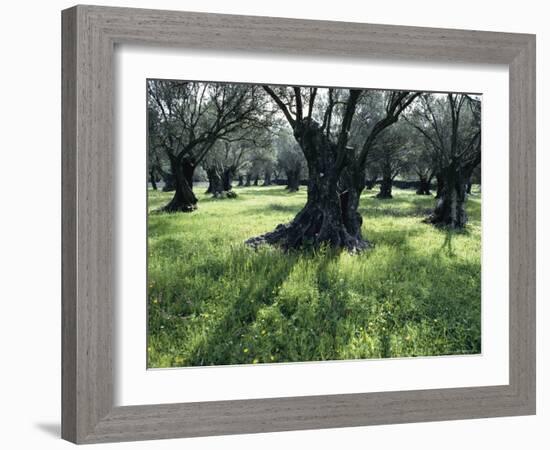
214	301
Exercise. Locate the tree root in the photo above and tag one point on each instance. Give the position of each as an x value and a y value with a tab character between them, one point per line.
171	208
224	194
309	230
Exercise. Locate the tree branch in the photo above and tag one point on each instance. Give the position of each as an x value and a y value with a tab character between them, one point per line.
281	105
299	106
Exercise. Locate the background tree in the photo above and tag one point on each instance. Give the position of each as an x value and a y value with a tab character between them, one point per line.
290	159
159	170
475	178
270	166
422	163
259	157
390	156
192	117
153	149
221	165
158	166
451	123
425	172
376	112
371	176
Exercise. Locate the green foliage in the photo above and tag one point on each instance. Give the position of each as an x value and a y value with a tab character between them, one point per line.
214	301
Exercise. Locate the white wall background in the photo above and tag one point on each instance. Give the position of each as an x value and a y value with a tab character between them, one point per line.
30	237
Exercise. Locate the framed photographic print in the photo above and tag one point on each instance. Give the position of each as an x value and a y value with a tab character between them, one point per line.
268	222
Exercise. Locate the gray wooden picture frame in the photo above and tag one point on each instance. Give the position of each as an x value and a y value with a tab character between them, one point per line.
89	37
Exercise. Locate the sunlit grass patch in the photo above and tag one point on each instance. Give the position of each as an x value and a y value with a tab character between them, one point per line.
214	301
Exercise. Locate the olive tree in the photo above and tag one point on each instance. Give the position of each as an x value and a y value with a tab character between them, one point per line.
321	121
290	159
192	117
451	124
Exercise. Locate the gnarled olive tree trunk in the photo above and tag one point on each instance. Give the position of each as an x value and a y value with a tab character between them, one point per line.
322	219
352	183
424	187
293	179
469	186
184	199
267	178
221	182
213	179
440	183
169	183
370	182
152	179
385	188
387	182
226	184
227	178
450	207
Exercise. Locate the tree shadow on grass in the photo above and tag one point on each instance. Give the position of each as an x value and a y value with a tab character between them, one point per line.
449	234
374	212
167	248
208	198
399	206
391	237
269	191
275	208
435	296
161	224
220	345
430	296
447	246
227	337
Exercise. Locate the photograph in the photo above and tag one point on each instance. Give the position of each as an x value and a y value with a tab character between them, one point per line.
295	224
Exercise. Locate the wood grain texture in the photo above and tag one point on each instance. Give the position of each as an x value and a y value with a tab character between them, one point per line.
522	224
68	225
89	36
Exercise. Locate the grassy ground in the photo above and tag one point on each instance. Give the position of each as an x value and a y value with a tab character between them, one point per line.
213	301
